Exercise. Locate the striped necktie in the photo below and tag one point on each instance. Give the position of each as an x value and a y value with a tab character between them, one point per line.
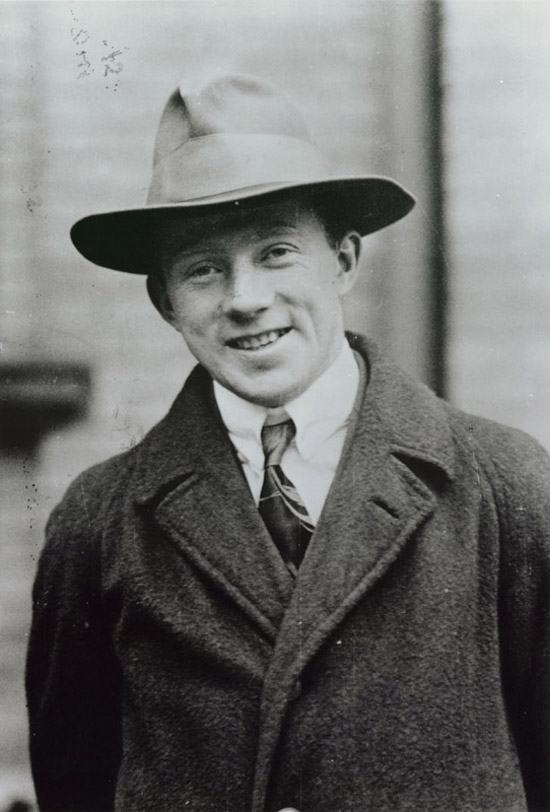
280	506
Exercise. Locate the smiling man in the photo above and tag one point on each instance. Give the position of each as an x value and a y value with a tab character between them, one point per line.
257	296
313	585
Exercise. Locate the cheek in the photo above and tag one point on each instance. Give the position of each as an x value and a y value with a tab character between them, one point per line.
327	313
328	294
190	310
329	281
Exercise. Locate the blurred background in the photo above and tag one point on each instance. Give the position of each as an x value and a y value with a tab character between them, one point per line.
450	98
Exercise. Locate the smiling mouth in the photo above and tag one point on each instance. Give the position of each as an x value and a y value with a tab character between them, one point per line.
258	341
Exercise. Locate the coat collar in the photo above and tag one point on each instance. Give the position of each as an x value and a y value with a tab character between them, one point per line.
412	420
189	481
409	419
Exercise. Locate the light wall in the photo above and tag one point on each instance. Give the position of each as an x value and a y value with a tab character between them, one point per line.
497	142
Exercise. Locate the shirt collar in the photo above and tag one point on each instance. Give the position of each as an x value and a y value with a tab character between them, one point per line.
326	406
317	413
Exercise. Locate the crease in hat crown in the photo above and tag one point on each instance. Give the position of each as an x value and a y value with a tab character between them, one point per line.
235	132
236	138
235	103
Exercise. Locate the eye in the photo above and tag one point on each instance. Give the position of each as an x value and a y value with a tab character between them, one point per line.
205	271
278	252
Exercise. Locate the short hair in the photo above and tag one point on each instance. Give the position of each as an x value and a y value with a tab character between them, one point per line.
334	227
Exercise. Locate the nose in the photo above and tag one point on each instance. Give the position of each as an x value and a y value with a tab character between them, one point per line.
249	290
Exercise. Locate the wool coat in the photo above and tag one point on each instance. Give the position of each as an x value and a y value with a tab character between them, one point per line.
174	664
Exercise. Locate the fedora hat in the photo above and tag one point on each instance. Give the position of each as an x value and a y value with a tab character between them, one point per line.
235	140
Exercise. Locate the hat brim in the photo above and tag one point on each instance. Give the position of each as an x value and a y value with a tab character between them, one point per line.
127	240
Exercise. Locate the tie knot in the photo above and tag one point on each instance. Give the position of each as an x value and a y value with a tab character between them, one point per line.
275	440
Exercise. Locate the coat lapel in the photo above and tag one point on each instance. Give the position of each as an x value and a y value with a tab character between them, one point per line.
376	503
193	488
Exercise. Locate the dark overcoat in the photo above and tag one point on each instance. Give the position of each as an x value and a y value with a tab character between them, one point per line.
175	665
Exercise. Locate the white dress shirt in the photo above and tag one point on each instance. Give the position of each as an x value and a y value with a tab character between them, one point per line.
320	414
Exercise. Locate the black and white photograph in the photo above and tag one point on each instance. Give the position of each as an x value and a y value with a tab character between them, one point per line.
274	406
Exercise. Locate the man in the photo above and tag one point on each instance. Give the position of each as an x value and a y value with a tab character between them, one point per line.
313	585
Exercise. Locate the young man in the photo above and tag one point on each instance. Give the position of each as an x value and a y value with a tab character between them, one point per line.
313	585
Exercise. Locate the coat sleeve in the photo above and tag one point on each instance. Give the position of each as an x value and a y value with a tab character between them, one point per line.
72	679
522	491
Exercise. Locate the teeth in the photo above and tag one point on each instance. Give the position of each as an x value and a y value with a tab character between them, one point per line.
255	342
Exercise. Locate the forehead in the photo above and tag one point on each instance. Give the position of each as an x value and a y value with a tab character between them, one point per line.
249	222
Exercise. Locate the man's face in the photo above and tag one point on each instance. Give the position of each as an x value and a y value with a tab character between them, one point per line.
256	295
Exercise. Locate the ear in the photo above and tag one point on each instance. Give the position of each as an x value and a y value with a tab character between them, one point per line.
349	254
156	288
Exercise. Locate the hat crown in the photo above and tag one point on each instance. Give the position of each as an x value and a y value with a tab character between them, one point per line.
229	104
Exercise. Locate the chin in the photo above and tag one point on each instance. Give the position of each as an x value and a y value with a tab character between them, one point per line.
270	398
265	390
